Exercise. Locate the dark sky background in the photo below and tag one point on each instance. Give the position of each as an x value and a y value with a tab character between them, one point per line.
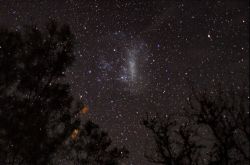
140	56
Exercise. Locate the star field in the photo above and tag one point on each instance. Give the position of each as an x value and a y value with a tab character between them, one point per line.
134	57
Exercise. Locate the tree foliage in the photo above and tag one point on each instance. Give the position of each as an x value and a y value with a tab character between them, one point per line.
37	115
90	145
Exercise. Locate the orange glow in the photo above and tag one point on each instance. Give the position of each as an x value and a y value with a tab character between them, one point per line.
75	134
85	109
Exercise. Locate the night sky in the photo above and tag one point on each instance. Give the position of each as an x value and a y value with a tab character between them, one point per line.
138	56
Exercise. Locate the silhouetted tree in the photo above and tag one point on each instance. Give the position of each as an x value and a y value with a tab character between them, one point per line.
175	144
225	115
214	130
90	145
37	115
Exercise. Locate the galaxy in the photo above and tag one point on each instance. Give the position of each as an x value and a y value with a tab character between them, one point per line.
134	57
